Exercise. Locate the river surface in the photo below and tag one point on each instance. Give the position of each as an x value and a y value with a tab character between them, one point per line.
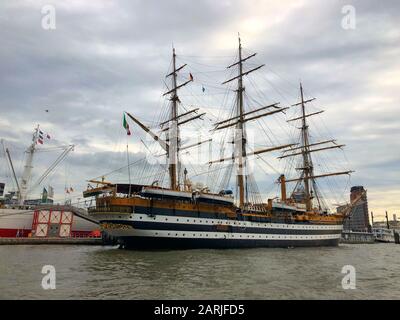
95	272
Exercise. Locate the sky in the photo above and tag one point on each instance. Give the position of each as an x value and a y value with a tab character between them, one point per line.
105	57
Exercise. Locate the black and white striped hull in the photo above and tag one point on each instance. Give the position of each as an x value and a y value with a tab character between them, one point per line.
143	231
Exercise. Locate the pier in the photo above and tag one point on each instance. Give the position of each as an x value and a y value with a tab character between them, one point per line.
53	240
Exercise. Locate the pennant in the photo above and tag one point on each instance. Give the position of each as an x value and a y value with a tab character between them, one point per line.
48	136
66	190
70	189
126	126
40	141
191	77
203	89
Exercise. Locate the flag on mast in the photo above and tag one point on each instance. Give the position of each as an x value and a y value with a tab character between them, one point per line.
126	126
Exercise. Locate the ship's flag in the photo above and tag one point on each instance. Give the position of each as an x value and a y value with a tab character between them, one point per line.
126	126
48	136
203	89
191	77
40	141
67	190
71	189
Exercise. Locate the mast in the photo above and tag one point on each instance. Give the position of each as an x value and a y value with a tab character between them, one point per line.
307	169
238	122
173	134
240	135
28	168
307	176
173	128
172	142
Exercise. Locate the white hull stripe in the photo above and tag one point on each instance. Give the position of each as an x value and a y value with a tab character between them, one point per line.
215	235
201	221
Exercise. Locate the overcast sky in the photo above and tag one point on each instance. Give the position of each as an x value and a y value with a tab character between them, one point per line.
105	57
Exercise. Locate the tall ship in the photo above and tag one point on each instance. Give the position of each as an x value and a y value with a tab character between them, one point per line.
184	215
22	215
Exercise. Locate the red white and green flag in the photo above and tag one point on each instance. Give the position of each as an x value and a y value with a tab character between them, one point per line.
126	126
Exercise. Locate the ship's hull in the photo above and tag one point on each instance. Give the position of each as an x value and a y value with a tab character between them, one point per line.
18	223
143	231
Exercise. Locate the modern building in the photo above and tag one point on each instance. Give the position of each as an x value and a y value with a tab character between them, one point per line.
358	219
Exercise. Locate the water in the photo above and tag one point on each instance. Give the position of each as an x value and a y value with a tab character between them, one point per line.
90	272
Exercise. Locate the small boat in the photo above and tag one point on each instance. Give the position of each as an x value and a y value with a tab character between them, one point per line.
384	235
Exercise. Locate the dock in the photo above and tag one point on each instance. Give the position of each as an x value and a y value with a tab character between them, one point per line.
37	240
357	237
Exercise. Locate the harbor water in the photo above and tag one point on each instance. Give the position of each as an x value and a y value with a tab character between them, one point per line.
96	272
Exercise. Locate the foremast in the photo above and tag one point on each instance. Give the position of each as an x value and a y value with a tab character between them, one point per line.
172	143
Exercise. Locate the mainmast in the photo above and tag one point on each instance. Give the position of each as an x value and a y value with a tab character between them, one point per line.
26	176
238	122
173	133
307	168
240	133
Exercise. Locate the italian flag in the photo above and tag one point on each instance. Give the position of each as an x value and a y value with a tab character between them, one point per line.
126	126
